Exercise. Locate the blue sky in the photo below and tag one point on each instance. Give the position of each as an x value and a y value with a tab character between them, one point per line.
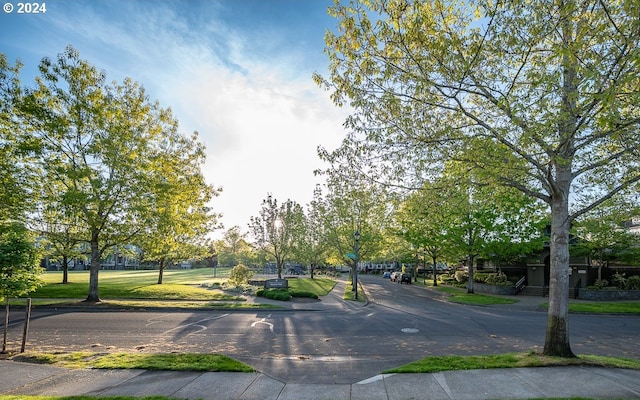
237	71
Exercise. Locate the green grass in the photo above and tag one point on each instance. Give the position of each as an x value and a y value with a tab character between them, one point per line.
194	288
177	285
509	360
318	286
606	307
349	294
461	296
164	362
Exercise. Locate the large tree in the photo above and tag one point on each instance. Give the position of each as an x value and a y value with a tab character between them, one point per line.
422	221
277	229
350	207
179	217
101	145
18	186
540	96
313	244
19	266
233	248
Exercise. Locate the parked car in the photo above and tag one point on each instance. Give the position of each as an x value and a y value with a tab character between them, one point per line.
405	278
386	275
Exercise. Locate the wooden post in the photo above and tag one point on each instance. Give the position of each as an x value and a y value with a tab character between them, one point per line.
27	317
6	326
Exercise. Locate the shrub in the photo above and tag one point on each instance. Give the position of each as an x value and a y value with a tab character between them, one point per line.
462	276
302	293
600	284
499	279
239	275
633	283
274	294
492	278
618	280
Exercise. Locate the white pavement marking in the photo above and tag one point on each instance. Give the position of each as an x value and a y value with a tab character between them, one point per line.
262	321
196	323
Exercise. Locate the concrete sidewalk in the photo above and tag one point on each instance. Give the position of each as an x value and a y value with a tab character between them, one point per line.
519	383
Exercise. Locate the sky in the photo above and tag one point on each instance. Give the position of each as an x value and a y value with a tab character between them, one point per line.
239	72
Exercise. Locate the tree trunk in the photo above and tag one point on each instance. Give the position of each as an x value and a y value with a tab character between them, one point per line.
557	334
435	273
470	288
6	325
279	268
93	296
161	271
65	269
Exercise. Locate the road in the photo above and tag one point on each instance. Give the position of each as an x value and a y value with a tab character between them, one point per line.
341	343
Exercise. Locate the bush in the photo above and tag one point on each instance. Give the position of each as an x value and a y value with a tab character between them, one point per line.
618	280
302	293
492	278
462	276
274	294
600	284
633	283
239	275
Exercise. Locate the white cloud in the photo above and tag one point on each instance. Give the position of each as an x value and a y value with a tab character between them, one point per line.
248	93
261	133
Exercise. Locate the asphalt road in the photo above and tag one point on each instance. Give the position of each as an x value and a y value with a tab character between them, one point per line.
342	343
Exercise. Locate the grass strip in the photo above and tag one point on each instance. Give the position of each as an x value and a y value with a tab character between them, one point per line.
509	360
164	362
318	286
606	307
457	295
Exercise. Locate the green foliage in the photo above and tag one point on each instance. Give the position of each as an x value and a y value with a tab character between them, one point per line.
19	261
429	83
277	229
318	286
633	283
179	285
462	276
274	294
508	360
240	275
165	362
492	278
302	293
600	284
114	162
620	281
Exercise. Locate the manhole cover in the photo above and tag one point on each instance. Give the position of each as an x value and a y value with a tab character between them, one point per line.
410	330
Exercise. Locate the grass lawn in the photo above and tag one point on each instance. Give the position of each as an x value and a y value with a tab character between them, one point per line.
349	294
458	295
193	288
509	360
164	362
606	307
177	285
319	286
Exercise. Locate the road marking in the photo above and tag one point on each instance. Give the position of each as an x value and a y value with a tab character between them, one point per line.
196	323
262	321
410	330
